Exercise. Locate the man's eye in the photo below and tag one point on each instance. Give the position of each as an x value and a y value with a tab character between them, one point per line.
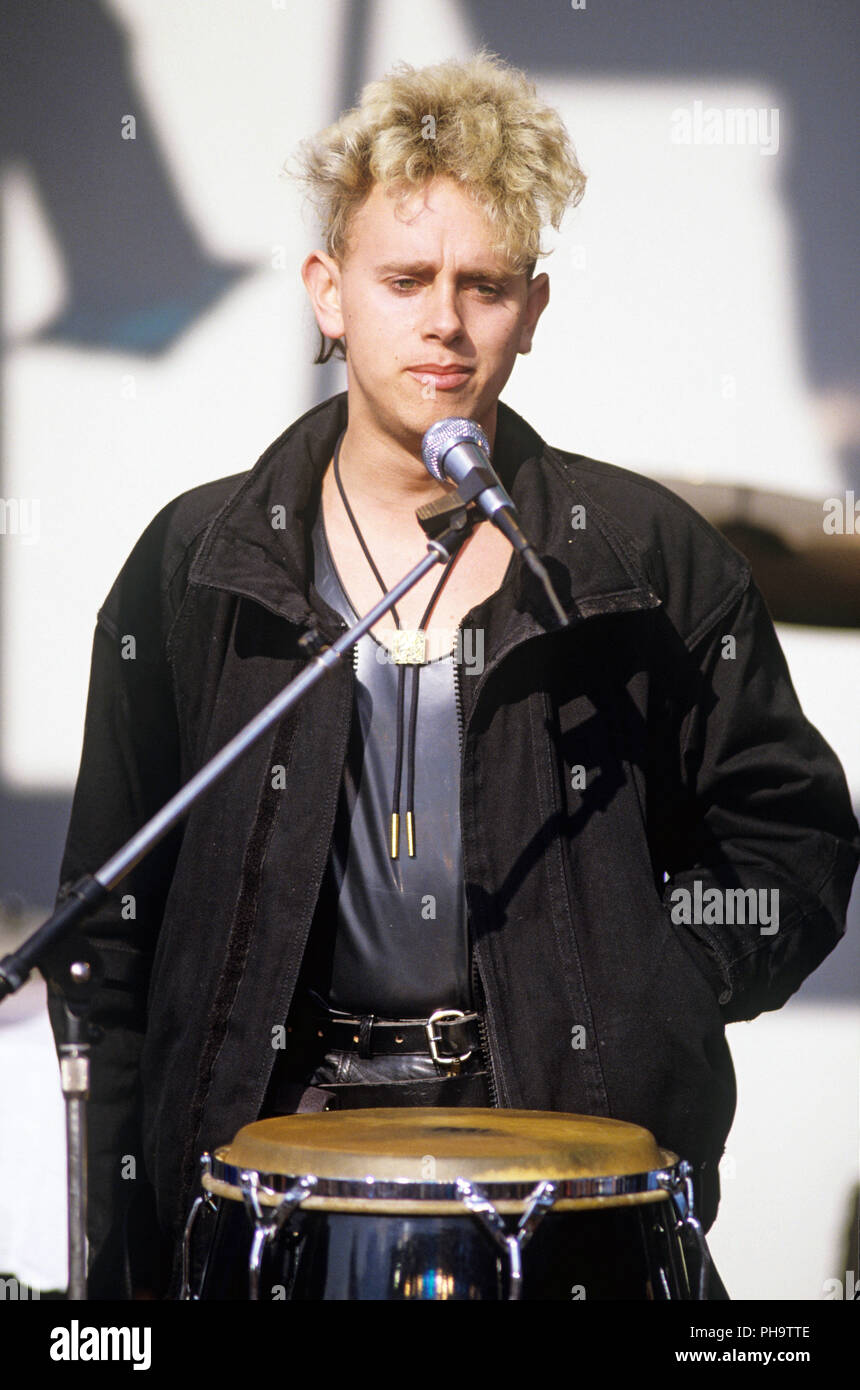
404	284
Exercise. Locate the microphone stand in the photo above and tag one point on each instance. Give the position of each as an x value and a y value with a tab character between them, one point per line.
75	966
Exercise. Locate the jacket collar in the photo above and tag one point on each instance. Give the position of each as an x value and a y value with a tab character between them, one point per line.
257	545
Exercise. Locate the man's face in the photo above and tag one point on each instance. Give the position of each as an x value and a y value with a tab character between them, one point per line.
432	318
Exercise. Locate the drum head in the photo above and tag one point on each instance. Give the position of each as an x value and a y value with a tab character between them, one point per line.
483	1146
508	1151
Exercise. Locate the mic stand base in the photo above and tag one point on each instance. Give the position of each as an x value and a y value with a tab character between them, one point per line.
75	973
75	1081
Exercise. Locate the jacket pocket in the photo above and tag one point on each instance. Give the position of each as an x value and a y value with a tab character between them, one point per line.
702	959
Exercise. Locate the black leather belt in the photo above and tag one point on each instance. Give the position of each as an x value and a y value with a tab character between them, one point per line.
449	1036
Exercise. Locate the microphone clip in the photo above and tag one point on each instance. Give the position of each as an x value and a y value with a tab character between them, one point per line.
452	512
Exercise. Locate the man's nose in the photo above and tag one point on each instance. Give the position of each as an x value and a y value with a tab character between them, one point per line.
442	317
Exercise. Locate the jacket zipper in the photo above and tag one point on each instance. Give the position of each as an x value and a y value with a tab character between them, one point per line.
478	994
483	1033
457	697
482	1006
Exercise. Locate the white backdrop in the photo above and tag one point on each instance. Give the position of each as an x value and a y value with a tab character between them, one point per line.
671	345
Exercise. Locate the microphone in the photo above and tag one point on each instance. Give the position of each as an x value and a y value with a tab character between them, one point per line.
457	450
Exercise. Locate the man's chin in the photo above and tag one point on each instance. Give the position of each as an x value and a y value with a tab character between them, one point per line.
407	418
458	405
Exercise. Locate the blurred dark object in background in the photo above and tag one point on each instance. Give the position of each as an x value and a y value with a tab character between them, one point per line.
808	575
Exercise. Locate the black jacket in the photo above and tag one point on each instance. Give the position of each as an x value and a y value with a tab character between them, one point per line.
698	765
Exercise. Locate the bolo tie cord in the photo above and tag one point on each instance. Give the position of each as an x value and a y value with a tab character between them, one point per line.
401	690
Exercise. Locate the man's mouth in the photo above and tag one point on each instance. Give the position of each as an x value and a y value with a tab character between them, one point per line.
444	377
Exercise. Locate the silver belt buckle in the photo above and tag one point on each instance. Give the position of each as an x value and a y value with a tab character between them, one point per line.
444	1016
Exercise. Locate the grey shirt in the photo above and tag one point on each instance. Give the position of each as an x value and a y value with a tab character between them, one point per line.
390	936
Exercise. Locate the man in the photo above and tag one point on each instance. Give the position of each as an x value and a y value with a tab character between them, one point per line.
591	846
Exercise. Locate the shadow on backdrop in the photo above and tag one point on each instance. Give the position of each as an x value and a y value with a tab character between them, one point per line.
139	276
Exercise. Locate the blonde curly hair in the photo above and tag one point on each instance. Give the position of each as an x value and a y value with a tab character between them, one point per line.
479	122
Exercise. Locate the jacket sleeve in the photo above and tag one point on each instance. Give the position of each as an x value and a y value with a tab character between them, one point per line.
766	843
129	767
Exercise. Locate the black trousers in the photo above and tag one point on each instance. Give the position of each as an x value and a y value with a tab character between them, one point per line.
346	1081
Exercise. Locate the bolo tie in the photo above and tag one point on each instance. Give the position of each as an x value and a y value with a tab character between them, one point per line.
409	650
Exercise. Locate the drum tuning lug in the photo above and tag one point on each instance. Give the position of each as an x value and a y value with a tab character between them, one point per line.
539	1203
269	1220
679	1184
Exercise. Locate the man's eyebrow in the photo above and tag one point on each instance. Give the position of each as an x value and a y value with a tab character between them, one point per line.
427	268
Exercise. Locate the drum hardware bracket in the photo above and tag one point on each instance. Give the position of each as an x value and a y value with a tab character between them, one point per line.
678	1182
540	1201
269	1220
203	1199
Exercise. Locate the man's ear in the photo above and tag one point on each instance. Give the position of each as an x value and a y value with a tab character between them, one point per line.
321	276
536	302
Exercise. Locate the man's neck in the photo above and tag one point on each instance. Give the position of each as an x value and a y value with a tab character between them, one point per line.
379	474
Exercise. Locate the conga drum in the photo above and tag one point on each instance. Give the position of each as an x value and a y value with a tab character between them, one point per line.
434	1204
